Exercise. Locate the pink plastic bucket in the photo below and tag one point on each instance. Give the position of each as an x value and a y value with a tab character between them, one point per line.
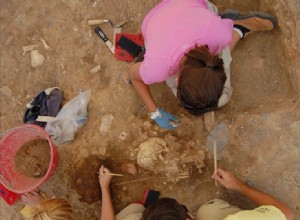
11	142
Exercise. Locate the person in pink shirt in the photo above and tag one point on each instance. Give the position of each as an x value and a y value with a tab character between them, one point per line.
184	41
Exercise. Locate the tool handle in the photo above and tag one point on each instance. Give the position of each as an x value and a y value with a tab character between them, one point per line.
101	34
8	196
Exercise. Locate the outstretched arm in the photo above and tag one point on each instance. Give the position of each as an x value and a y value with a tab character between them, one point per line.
107	211
230	181
162	118
141	88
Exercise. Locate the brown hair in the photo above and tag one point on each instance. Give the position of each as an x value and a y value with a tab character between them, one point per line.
52	209
201	81
165	209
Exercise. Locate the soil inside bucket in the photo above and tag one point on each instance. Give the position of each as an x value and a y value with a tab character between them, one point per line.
33	158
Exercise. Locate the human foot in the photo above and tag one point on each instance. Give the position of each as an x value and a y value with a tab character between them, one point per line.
254	21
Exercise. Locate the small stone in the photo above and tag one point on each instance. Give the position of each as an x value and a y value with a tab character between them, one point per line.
37	59
5	90
79	181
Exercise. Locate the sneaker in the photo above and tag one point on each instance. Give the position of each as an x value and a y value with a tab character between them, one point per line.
254	21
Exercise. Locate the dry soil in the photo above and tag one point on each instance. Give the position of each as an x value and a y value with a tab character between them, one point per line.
263	115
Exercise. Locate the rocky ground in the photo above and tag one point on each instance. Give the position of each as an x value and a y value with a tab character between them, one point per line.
260	125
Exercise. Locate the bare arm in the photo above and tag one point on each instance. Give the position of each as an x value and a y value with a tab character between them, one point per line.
107	211
228	180
141	88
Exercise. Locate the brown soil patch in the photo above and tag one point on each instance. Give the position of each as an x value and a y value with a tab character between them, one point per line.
85	180
33	158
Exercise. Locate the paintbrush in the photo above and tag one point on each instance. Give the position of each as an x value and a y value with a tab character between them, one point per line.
112	174
215	160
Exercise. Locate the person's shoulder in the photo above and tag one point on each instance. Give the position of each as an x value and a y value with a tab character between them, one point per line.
260	213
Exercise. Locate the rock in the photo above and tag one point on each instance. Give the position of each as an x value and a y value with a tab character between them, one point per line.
106	123
129	168
5	90
37	59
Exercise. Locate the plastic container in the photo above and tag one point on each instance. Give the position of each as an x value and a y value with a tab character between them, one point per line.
11	141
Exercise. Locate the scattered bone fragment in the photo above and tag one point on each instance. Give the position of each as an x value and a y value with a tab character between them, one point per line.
165	156
29	48
95	69
106	123
37	59
149	151
46	46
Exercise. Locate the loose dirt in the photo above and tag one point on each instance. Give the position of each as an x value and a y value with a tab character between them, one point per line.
262	117
33	158
85	180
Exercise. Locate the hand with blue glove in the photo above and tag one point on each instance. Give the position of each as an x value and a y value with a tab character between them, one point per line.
164	119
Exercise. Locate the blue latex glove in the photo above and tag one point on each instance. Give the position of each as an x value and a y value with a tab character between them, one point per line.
164	119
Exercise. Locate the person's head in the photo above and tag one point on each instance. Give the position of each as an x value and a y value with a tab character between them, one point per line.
52	209
165	209
201	81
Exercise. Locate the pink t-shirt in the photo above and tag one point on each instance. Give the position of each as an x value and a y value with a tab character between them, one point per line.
172	28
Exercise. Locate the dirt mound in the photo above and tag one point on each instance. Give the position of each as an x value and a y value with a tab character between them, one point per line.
33	158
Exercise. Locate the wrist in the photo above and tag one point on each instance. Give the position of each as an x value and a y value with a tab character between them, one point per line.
155	114
241	187
105	189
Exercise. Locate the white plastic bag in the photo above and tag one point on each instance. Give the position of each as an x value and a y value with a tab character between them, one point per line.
71	117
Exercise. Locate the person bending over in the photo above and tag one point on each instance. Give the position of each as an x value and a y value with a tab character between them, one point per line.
188	45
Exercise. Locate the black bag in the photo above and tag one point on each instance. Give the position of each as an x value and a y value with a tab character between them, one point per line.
46	103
